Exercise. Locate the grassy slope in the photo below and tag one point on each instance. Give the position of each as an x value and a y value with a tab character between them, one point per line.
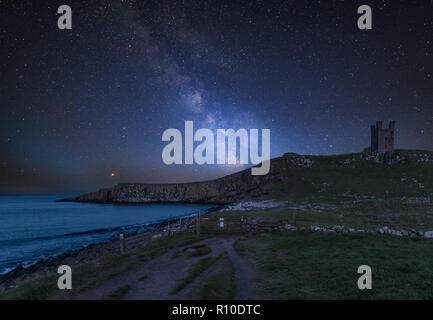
331	179
305	265
360	194
370	214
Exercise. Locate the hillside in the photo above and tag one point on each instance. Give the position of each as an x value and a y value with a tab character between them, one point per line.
335	213
292	177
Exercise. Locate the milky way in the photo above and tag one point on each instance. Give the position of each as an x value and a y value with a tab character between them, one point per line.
78	105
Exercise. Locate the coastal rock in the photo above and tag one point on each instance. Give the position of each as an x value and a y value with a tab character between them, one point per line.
428	234
224	190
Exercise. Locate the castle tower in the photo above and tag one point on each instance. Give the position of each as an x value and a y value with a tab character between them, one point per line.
382	139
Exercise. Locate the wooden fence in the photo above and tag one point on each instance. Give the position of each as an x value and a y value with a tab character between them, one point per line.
215	224
208	224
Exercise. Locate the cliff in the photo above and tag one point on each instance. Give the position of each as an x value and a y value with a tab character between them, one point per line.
291	177
220	191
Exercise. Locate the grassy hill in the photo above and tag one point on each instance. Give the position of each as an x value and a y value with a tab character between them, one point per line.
351	190
351	176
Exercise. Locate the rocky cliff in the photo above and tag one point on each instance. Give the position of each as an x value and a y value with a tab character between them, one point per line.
291	176
220	191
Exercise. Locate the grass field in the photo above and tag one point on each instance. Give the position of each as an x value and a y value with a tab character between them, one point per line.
396	213
351	177
357	193
306	265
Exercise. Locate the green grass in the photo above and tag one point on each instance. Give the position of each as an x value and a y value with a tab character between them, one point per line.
89	275
396	213
194	251
118	294
219	285
194	271
305	265
329	178
41	288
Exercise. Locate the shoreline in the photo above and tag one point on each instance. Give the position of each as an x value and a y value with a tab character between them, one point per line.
141	203
98	250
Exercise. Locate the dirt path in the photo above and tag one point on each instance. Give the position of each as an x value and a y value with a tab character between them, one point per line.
242	274
165	272
156	278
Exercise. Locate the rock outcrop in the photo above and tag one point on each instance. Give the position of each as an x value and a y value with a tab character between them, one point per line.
290	175
220	191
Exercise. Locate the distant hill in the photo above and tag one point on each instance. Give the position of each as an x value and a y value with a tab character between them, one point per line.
292	176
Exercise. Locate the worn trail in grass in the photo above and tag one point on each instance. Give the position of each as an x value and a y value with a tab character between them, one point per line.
176	274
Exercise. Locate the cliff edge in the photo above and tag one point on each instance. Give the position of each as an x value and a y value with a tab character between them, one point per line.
291	176
220	191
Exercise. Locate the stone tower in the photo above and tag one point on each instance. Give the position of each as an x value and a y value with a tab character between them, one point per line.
382	139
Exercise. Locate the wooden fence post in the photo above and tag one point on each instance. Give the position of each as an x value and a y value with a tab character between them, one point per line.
122	243
198	222
294	219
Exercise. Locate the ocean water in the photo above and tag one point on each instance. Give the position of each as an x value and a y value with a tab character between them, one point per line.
37	227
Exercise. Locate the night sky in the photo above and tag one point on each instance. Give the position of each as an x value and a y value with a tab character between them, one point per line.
77	105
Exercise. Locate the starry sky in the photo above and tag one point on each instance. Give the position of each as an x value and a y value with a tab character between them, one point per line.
78	105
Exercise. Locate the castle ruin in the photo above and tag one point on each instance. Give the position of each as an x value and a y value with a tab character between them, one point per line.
382	141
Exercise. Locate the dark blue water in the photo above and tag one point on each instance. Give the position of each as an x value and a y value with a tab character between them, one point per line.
37	227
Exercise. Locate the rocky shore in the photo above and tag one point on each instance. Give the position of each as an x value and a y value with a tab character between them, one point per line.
95	251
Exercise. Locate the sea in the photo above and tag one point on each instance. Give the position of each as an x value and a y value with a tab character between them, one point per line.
34	228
